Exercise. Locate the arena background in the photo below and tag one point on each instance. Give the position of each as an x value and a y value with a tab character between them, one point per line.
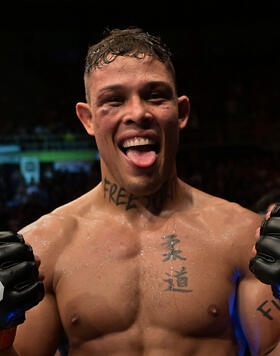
227	62
227	59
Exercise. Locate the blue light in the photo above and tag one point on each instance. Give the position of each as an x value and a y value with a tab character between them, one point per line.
276	291
11	316
233	310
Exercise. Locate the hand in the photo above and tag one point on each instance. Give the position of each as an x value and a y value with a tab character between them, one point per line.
20	285
266	261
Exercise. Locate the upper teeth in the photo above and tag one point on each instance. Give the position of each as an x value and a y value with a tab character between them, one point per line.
137	141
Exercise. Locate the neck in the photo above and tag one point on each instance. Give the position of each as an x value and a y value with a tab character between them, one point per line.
155	203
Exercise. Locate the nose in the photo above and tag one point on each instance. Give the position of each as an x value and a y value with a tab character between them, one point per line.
137	112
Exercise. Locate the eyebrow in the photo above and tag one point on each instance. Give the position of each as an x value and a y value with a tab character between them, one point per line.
158	83
111	87
152	84
105	90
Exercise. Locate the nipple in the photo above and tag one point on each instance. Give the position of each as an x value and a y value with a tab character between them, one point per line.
75	320
213	310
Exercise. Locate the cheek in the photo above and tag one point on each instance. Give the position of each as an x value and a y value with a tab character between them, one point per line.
170	124
102	140
169	115
104	112
171	132
105	119
107	112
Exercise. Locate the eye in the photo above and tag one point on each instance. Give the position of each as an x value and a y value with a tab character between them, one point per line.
159	95
155	97
115	100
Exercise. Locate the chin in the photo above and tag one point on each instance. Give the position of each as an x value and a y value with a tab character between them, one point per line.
142	187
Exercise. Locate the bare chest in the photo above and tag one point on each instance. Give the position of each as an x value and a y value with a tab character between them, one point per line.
165	280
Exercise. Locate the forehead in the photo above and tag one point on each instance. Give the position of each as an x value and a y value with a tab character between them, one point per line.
129	71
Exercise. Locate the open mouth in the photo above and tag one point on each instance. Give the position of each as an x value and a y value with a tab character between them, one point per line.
139	143
141	151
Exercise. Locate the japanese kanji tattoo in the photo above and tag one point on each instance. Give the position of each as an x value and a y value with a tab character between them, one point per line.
177	282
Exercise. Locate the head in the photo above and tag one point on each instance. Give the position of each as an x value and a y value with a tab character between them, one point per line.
132	42
133	109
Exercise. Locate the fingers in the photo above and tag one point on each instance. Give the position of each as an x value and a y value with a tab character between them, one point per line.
37	260
8	236
267	216
265	263
265	271
257	236
30	296
273	210
41	276
19	275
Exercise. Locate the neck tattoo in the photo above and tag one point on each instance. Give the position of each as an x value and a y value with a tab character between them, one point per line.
120	197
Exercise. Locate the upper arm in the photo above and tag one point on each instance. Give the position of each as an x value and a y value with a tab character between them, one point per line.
259	314
259	311
40	333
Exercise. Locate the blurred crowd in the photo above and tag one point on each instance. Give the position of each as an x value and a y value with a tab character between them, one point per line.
245	180
21	203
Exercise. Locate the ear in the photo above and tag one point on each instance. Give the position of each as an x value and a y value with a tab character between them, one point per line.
83	111
184	111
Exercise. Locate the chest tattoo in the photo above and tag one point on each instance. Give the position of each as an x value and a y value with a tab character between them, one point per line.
177	280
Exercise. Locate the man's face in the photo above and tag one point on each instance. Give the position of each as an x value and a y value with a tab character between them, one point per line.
133	114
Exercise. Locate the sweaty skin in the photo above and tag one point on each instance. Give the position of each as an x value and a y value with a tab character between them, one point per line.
144	264
113	271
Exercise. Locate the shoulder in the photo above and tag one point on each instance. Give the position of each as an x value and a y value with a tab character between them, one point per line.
240	222
59	228
49	235
238	218
228	213
232	226
53	234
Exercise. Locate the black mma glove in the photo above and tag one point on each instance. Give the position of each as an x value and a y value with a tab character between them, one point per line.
20	288
266	264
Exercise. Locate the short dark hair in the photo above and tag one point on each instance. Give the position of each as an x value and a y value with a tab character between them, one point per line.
132	42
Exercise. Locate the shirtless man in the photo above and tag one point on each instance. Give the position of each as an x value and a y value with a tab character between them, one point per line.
144	264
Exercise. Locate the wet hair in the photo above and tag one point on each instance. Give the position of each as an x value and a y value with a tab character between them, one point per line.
130	42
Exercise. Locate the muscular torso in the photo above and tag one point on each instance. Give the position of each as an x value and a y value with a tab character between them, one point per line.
161	287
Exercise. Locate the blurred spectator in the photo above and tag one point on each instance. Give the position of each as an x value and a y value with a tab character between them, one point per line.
239	179
23	203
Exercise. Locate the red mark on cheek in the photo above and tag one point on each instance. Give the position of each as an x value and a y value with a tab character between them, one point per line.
104	111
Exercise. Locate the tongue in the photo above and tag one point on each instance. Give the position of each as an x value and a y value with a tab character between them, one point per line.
141	158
